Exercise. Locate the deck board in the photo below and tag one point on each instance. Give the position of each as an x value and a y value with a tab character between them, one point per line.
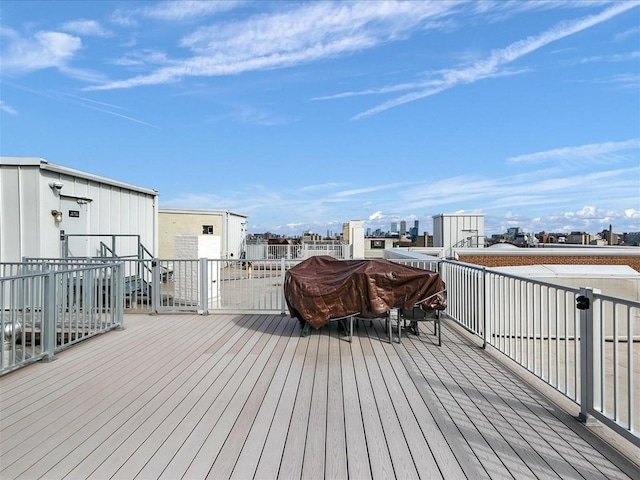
244	396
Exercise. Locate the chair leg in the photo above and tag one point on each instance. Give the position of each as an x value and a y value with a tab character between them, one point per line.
350	328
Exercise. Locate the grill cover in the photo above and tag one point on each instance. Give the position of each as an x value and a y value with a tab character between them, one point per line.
322	288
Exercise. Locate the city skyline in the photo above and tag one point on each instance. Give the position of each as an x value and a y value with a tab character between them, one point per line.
306	115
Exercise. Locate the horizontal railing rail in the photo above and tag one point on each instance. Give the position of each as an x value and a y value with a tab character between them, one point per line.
42	312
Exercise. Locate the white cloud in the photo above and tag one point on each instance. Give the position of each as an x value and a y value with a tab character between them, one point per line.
185	9
298	35
618	57
86	28
596	152
44	50
376	215
498	58
627	33
7	109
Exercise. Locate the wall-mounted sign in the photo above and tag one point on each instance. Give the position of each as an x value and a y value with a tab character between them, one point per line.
74	213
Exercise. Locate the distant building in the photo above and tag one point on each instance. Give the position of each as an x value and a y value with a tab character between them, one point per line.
229	226
579	238
514	232
403	227
394	227
374	247
631	238
458	230
611	238
311	237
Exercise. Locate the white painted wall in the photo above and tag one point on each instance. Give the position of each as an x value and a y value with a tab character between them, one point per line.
230	227
187	286
450	229
102	206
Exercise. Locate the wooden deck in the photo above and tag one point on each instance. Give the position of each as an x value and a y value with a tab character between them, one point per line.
244	396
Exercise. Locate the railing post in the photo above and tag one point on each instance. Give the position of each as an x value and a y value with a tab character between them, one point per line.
204	285
156	286
118	299
584	303
484	307
282	276
48	328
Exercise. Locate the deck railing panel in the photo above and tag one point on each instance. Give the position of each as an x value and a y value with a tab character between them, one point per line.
586	353
45	311
589	355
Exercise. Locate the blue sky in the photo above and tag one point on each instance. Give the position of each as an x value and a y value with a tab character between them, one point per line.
304	115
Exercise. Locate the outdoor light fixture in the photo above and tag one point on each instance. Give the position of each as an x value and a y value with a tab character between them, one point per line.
57	215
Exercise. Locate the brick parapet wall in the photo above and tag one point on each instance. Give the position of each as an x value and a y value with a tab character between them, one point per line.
493	260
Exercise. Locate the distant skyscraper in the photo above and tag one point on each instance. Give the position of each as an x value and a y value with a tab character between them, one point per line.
394	227
403	227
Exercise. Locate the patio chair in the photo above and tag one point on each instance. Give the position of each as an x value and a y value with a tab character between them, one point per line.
419	314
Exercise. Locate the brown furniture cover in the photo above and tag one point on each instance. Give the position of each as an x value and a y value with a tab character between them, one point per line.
322	288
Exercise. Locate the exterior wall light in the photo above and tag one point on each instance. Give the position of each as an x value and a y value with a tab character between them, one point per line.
57	215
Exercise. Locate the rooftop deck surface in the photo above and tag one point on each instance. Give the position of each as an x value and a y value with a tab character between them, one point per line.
245	396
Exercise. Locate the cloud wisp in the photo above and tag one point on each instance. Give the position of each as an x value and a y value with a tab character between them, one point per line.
177	10
7	108
542	193
299	35
86	28
490	66
607	152
45	49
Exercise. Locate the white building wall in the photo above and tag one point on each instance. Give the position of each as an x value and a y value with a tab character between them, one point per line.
451	229
103	206
230	227
187	281
236	234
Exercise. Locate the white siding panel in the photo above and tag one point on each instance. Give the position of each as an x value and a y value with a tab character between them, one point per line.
27	227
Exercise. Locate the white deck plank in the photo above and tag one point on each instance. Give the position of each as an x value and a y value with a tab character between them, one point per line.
249	456
421	454
132	454
293	455
336	449
245	401
244	396
379	456
398	444
358	465
465	430
91	412
246	418
314	449
271	455
192	432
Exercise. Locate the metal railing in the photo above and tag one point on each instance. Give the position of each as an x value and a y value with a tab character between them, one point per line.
263	251
208	285
42	312
198	285
584	349
589	354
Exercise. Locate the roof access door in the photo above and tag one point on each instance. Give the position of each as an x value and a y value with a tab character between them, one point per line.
75	221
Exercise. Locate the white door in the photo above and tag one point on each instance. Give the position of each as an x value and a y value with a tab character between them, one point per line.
75	221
